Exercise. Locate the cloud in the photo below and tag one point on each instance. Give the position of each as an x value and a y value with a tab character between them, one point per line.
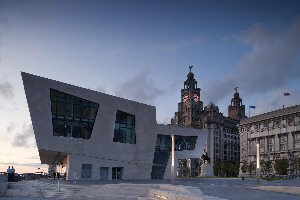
275	100
216	91
270	66
11	127
6	90
273	60
174	46
21	164
102	88
140	88
23	139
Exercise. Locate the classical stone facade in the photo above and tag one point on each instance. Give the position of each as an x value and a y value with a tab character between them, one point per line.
223	139
278	135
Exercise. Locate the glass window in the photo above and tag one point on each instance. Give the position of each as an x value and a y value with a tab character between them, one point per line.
86	171
297	136
283	139
117	173
262	149
270	148
297	145
72	116
124	128
261	141
283	147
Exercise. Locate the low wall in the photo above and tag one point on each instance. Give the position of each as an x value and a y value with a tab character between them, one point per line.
3	187
3	178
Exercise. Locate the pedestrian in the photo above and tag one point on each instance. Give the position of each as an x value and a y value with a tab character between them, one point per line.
12	174
54	175
58	175
8	174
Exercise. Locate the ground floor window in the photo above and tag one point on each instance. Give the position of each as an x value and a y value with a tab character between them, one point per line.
117	172
86	171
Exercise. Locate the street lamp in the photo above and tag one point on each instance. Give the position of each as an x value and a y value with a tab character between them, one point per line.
172	165
258	162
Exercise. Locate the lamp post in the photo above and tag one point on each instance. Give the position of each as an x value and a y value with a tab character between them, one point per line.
258	162
172	164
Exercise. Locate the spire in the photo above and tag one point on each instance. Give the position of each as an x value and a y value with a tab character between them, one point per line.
236	97
190	82
191	68
236	89
236	110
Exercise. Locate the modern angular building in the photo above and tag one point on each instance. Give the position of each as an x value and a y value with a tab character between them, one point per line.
96	136
278	135
223	140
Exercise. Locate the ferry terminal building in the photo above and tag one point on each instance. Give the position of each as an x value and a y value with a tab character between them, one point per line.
96	136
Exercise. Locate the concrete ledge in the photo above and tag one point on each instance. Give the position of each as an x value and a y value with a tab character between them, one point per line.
283	189
3	178
3	188
173	195
178	192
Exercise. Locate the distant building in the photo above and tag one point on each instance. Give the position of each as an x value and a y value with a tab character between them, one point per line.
96	136
278	134
223	139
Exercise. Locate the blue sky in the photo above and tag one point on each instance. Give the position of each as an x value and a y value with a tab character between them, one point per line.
141	50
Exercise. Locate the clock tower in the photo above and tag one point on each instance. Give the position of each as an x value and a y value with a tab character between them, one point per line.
191	106
236	110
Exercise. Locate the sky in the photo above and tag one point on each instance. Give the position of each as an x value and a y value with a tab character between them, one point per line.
141	50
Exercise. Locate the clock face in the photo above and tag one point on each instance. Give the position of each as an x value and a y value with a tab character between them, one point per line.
185	97
196	97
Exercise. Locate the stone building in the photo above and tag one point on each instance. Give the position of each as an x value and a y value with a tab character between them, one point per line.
278	135
223	139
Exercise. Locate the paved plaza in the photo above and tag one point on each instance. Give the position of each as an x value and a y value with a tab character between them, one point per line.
200	188
248	189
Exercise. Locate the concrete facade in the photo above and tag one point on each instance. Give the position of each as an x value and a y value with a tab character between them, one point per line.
277	133
99	151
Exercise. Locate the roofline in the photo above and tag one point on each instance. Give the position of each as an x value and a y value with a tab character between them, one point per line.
271	115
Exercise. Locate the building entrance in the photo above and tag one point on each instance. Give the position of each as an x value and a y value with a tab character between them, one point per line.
103	173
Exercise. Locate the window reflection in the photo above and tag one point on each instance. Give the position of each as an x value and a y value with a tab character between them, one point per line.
163	143
72	116
124	128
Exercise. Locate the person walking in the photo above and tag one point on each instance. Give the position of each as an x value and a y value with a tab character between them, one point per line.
8	174
12	174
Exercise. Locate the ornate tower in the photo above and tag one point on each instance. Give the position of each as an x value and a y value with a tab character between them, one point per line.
236	110
191	106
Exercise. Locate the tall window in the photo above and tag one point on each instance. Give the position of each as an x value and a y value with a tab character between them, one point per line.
262	145
297	140
124	128
270	144
283	142
72	116
252	149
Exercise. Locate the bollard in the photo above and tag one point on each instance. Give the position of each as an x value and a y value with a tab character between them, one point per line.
75	178
58	185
